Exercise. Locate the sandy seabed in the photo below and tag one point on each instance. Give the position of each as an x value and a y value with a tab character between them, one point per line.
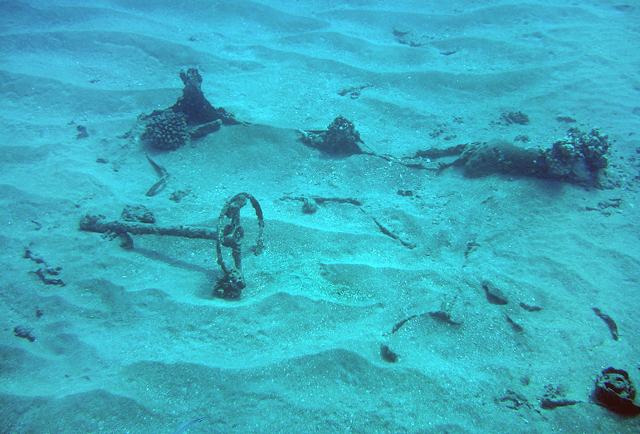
134	342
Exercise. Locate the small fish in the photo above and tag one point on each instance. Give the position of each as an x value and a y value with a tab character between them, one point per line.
185	426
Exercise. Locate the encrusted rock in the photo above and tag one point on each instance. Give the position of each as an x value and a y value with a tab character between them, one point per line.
340	138
615	391
580	157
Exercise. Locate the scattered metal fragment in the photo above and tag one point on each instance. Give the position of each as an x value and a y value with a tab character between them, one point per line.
443	316
44	273
21	332
29	255
513	400
405	193
613	327
309	206
605	205
393	235
516	327
401	323
530	308
550	404
472	246
82	132
354	91
388	355
494	295
406	36
162	173
566	119
515	118
126	241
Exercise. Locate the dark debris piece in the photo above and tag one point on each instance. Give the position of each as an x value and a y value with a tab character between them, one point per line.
406	36
82	132
309	205
405	193
529	308
44	273
388	232
515	118
24	333
28	254
615	391
604	206
354	91
566	119
126	241
388	355
513	400
444	317
472	246
514	325
401	323
162	172
494	295
613	327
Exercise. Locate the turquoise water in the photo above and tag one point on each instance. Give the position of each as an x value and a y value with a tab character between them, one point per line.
432	206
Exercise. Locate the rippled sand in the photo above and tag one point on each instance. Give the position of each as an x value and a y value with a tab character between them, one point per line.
134	342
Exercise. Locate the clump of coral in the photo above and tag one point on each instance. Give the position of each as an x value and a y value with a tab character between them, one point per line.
580	157
340	138
166	131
